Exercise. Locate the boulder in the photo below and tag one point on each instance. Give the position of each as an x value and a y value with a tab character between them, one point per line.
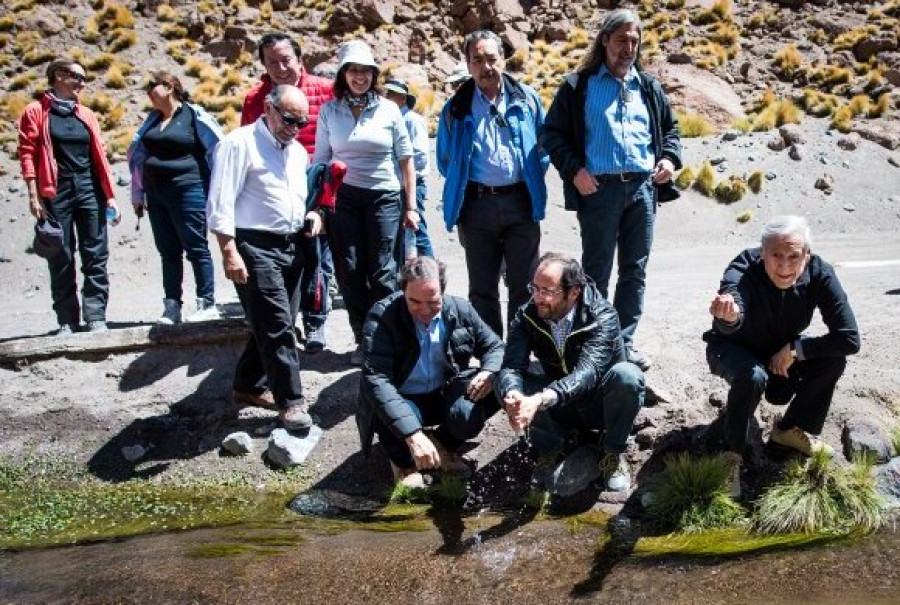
285	450
238	443
866	436
884	132
44	21
870	46
888	481
514	39
701	91
371	14
505	11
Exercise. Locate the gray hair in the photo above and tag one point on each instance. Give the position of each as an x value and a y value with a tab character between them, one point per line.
478	35
786	225
277	95
423	268
620	17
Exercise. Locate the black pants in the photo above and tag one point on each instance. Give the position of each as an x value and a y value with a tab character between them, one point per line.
270	300
456	417
80	208
808	388
494	229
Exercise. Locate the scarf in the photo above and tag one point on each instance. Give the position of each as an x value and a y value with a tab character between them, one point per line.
63	107
363	101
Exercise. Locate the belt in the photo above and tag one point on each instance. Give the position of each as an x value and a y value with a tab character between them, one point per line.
474	186
621	177
268	236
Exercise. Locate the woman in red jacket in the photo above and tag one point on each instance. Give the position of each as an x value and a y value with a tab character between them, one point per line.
64	164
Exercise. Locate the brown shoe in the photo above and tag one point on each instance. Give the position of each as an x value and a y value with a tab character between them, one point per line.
260	400
295	418
451	462
409	477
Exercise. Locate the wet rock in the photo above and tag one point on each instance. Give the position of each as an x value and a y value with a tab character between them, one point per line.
285	450
865	436
330	503
888	481
133	453
238	443
849	142
575	473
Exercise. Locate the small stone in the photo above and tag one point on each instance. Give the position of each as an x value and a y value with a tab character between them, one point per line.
849	207
795	153
791	134
865	436
123	180
286	450
13	219
771	176
13	187
716	161
849	142
731	135
825	183
823	160
776	144
133	453
238	443
893	161
265	429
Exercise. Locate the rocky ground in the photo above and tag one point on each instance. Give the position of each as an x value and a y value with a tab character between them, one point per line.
173	403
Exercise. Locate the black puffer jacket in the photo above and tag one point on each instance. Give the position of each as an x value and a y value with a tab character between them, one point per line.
593	346
392	350
771	317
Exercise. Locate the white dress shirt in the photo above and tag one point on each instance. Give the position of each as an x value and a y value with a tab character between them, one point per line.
257	183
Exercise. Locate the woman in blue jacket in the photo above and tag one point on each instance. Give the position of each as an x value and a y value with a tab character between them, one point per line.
170	160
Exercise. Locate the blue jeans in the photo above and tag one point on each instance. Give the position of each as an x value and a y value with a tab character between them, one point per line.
317	275
456	417
423	242
619	215
364	234
611	407
178	221
808	388
80	209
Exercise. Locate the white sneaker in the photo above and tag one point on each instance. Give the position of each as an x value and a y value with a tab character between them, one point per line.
171	312
206	311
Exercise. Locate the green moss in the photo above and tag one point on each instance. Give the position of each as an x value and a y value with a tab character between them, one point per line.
592	518
726	543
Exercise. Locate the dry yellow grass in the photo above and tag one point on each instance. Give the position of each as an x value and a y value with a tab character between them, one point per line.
788	60
121	38
705	182
115	78
755	181
13	104
38	57
692	125
881	106
22	81
685	178
166	13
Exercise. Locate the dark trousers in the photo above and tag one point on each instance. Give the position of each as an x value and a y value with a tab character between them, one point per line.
809	383
618	220
270	359
80	209
423	242
178	220
611	408
364	234
494	229
456	417
317	275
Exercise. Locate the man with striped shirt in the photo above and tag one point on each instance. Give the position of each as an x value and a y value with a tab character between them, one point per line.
613	137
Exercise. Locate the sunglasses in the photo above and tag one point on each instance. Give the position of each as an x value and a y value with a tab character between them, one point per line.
75	76
499	120
292	120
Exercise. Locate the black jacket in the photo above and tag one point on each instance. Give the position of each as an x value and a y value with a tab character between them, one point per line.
563	136
392	350
592	347
771	317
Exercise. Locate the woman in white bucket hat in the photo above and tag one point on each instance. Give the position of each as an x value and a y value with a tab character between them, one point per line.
368	134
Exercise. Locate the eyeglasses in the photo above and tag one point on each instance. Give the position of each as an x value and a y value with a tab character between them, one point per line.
545	292
499	120
81	78
292	120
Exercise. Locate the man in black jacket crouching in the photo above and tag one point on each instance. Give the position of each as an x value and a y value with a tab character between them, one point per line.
418	344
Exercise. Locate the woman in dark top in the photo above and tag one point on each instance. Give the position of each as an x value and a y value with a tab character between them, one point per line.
170	160
64	164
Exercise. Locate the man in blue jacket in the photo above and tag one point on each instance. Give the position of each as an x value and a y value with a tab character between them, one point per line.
487	149
614	139
766	300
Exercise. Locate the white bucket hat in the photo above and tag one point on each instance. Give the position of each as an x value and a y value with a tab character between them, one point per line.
356	51
459	73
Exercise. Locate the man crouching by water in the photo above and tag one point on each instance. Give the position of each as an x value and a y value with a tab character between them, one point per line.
765	301
418	343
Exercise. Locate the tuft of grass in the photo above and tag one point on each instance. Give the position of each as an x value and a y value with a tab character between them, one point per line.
731	190
118	142
755	181
401	494
693	495
537	499
121	39
788	61
881	106
173	31
22	81
842	120
691	125
705	182
14	104
743	125
815	495
450	489
685	178
166	13
115	78
895	439
818	103
37	57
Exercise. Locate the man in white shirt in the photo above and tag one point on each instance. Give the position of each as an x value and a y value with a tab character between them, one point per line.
257	209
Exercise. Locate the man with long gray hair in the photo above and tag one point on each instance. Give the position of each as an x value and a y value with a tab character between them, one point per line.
766	300
612	136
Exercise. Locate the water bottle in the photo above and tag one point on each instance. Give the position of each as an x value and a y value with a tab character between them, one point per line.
409	245
112	215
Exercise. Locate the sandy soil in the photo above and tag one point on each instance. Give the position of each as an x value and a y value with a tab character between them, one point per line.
174	401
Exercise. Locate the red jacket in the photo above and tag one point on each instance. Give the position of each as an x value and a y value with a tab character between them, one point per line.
317	90
36	149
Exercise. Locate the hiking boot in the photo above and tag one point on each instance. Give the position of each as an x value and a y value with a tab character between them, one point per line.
733	482
171	312
358	356
260	400
295	418
409	477
451	462
315	339
638	358
98	325
617	471
797	439
66	329
206	311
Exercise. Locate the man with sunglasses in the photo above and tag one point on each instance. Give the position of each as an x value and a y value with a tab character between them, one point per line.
260	214
487	150
612	136
281	57
588	392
